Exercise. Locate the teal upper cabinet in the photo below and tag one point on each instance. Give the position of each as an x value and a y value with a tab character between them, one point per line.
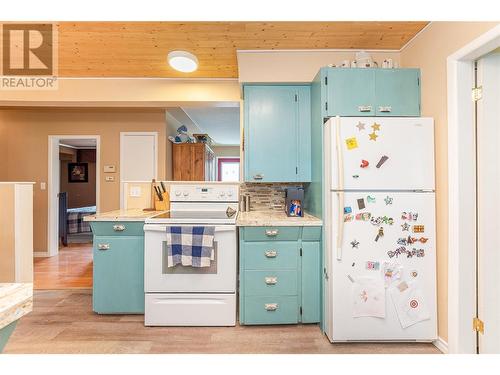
277	140
397	92
351	92
371	92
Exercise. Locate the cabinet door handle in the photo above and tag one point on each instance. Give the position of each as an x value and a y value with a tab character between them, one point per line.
272	232
385	109
271	306
364	108
103	246
271	253
119	228
271	280
258	176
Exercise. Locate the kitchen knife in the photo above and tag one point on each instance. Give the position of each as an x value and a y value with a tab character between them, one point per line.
163	187
158	193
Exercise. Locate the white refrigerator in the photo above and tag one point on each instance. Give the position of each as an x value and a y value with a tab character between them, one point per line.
380	245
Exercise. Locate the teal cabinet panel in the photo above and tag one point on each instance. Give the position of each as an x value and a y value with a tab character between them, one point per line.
5	333
118	285
311	282
304	139
117	228
350	92
270	133
397	92
271	310
277	255
311	233
271	283
271	233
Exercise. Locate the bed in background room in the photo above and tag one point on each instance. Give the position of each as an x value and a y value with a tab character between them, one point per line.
71	219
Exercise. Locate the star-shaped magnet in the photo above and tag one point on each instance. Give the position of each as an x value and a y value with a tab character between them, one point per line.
388	200
360	126
375	126
405	227
373	136
354	244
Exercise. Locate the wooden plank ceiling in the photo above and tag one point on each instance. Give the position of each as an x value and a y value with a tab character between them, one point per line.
139	49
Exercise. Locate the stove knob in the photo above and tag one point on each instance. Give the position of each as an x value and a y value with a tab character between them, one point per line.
185	193
177	193
229	193
221	194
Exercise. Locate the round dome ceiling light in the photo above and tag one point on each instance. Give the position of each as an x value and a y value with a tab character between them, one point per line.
183	61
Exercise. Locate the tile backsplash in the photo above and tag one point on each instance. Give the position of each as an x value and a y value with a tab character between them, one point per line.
267	196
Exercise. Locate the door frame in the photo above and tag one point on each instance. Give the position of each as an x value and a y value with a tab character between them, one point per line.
122	135
462	192
53	188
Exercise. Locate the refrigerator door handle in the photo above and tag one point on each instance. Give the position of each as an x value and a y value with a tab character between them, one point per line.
340	157
340	227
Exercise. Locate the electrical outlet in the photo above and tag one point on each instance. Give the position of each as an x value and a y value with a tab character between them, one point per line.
135	191
43	186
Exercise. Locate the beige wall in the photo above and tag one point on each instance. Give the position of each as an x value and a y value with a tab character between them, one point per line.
27	149
428	51
295	66
226	151
81	194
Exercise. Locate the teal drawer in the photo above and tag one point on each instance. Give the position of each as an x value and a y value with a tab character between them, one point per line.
271	310
269	255
271	283
117	228
271	233
311	234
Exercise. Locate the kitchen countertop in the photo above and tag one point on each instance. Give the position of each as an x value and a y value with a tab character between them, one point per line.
135	214
16	300
275	218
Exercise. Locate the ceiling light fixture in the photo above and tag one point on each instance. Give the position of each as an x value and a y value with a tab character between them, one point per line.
183	61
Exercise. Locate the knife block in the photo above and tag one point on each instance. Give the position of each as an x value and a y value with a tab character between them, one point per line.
162	205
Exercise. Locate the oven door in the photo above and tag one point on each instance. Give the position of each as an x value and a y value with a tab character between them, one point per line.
220	277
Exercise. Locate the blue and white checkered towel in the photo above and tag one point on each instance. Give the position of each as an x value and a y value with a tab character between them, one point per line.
190	246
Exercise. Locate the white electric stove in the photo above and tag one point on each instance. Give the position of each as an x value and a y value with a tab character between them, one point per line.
188	296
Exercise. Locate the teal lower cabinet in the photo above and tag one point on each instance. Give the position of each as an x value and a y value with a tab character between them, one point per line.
280	275
118	286
5	333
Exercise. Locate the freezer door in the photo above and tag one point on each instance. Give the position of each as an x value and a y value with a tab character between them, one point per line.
362	256
380	153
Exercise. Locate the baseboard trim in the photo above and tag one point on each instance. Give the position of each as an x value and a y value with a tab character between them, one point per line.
41	254
441	345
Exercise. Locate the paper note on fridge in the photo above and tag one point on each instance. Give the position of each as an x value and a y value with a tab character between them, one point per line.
368	297
410	305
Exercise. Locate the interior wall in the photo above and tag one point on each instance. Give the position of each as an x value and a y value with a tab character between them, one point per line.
226	151
429	51
27	148
171	129
80	194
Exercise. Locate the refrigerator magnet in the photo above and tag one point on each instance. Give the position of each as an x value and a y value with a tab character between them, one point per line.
375	127
347	210
405	227
351	143
360	126
418	229
355	176
373	266
414	273
373	136
380	233
388	200
382	160
361	203
348	218
355	244
370	199
364	163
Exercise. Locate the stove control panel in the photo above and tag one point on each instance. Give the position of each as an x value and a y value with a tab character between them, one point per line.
204	193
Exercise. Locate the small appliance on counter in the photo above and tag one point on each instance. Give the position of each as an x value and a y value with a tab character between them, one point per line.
294	198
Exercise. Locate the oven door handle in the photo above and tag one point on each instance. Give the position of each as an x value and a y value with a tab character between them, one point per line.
163	228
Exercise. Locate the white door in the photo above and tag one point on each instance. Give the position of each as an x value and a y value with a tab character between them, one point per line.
138	157
488	202
407	240
380	153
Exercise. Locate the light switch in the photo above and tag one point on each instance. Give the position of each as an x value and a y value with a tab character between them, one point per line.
135	191
43	186
109	169
110	178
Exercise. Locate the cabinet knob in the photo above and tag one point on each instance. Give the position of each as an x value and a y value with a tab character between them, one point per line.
271	280
271	306
119	228
271	253
364	108
103	246
272	232
385	109
258	176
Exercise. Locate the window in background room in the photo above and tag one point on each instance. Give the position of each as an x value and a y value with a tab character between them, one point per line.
228	169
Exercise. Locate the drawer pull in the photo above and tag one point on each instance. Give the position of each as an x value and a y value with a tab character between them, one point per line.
271	306
385	109
272	232
271	253
364	108
119	228
271	280
258	176
103	246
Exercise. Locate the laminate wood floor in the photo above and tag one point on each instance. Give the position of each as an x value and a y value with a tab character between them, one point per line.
63	322
71	268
